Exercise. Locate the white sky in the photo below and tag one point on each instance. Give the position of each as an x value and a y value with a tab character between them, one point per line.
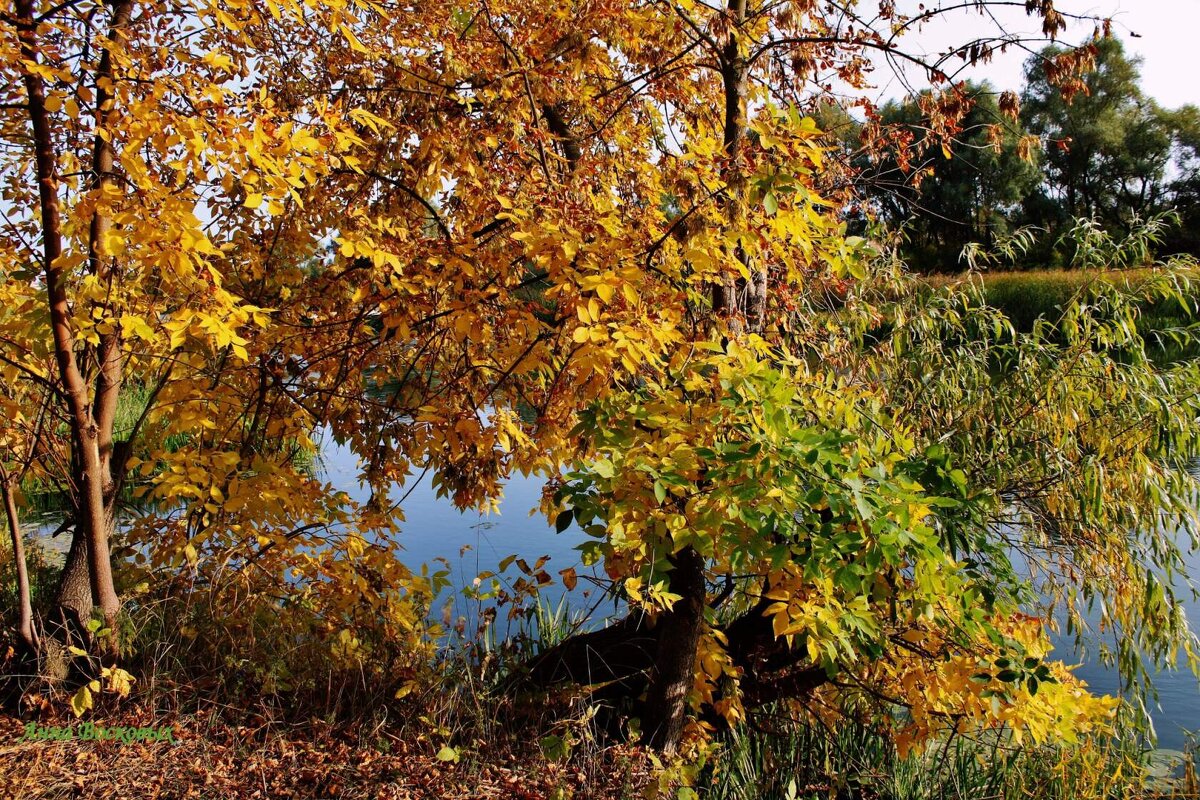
1167	44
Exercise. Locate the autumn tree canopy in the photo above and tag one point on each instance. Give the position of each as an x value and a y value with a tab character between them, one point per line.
586	241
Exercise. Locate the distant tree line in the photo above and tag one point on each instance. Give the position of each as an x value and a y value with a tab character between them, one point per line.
1105	152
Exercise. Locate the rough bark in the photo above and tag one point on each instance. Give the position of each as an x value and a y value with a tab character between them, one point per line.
74	597
665	709
26	630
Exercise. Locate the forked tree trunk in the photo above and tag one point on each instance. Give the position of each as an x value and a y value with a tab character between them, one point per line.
26	630
622	659
87	435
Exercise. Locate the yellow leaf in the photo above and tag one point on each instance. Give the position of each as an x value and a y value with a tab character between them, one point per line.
633	588
218	60
81	701
119	680
253	200
355	44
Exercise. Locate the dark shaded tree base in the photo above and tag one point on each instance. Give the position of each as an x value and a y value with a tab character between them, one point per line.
619	660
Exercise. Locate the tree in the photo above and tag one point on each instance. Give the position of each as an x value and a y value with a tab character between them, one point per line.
1105	145
21	438
113	146
945	196
1183	190
486	239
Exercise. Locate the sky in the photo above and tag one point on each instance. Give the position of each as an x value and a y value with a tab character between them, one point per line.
1166	42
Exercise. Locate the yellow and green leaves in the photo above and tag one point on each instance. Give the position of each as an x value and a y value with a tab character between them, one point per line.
868	555
486	243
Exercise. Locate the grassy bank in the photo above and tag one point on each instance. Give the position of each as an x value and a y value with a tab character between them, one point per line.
1029	295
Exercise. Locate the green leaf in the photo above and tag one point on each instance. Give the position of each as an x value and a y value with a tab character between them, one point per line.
563	520
447	753
554	748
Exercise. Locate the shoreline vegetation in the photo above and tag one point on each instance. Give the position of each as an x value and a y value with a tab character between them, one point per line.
473	742
461	739
1028	294
842	512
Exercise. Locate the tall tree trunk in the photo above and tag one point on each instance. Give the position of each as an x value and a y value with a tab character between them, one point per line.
26	630
678	636
739	305
109	357
742	302
90	482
